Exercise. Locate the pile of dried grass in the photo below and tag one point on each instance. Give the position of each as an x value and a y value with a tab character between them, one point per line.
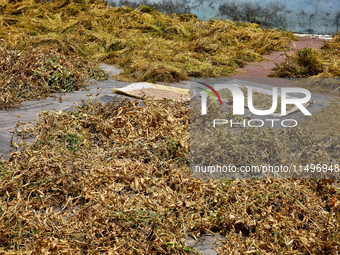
304	63
114	178
36	73
148	45
310	62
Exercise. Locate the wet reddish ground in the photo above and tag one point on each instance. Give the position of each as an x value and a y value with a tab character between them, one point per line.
258	71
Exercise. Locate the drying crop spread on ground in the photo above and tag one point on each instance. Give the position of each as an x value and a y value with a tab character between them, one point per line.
114	178
312	62
322	67
36	73
148	45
